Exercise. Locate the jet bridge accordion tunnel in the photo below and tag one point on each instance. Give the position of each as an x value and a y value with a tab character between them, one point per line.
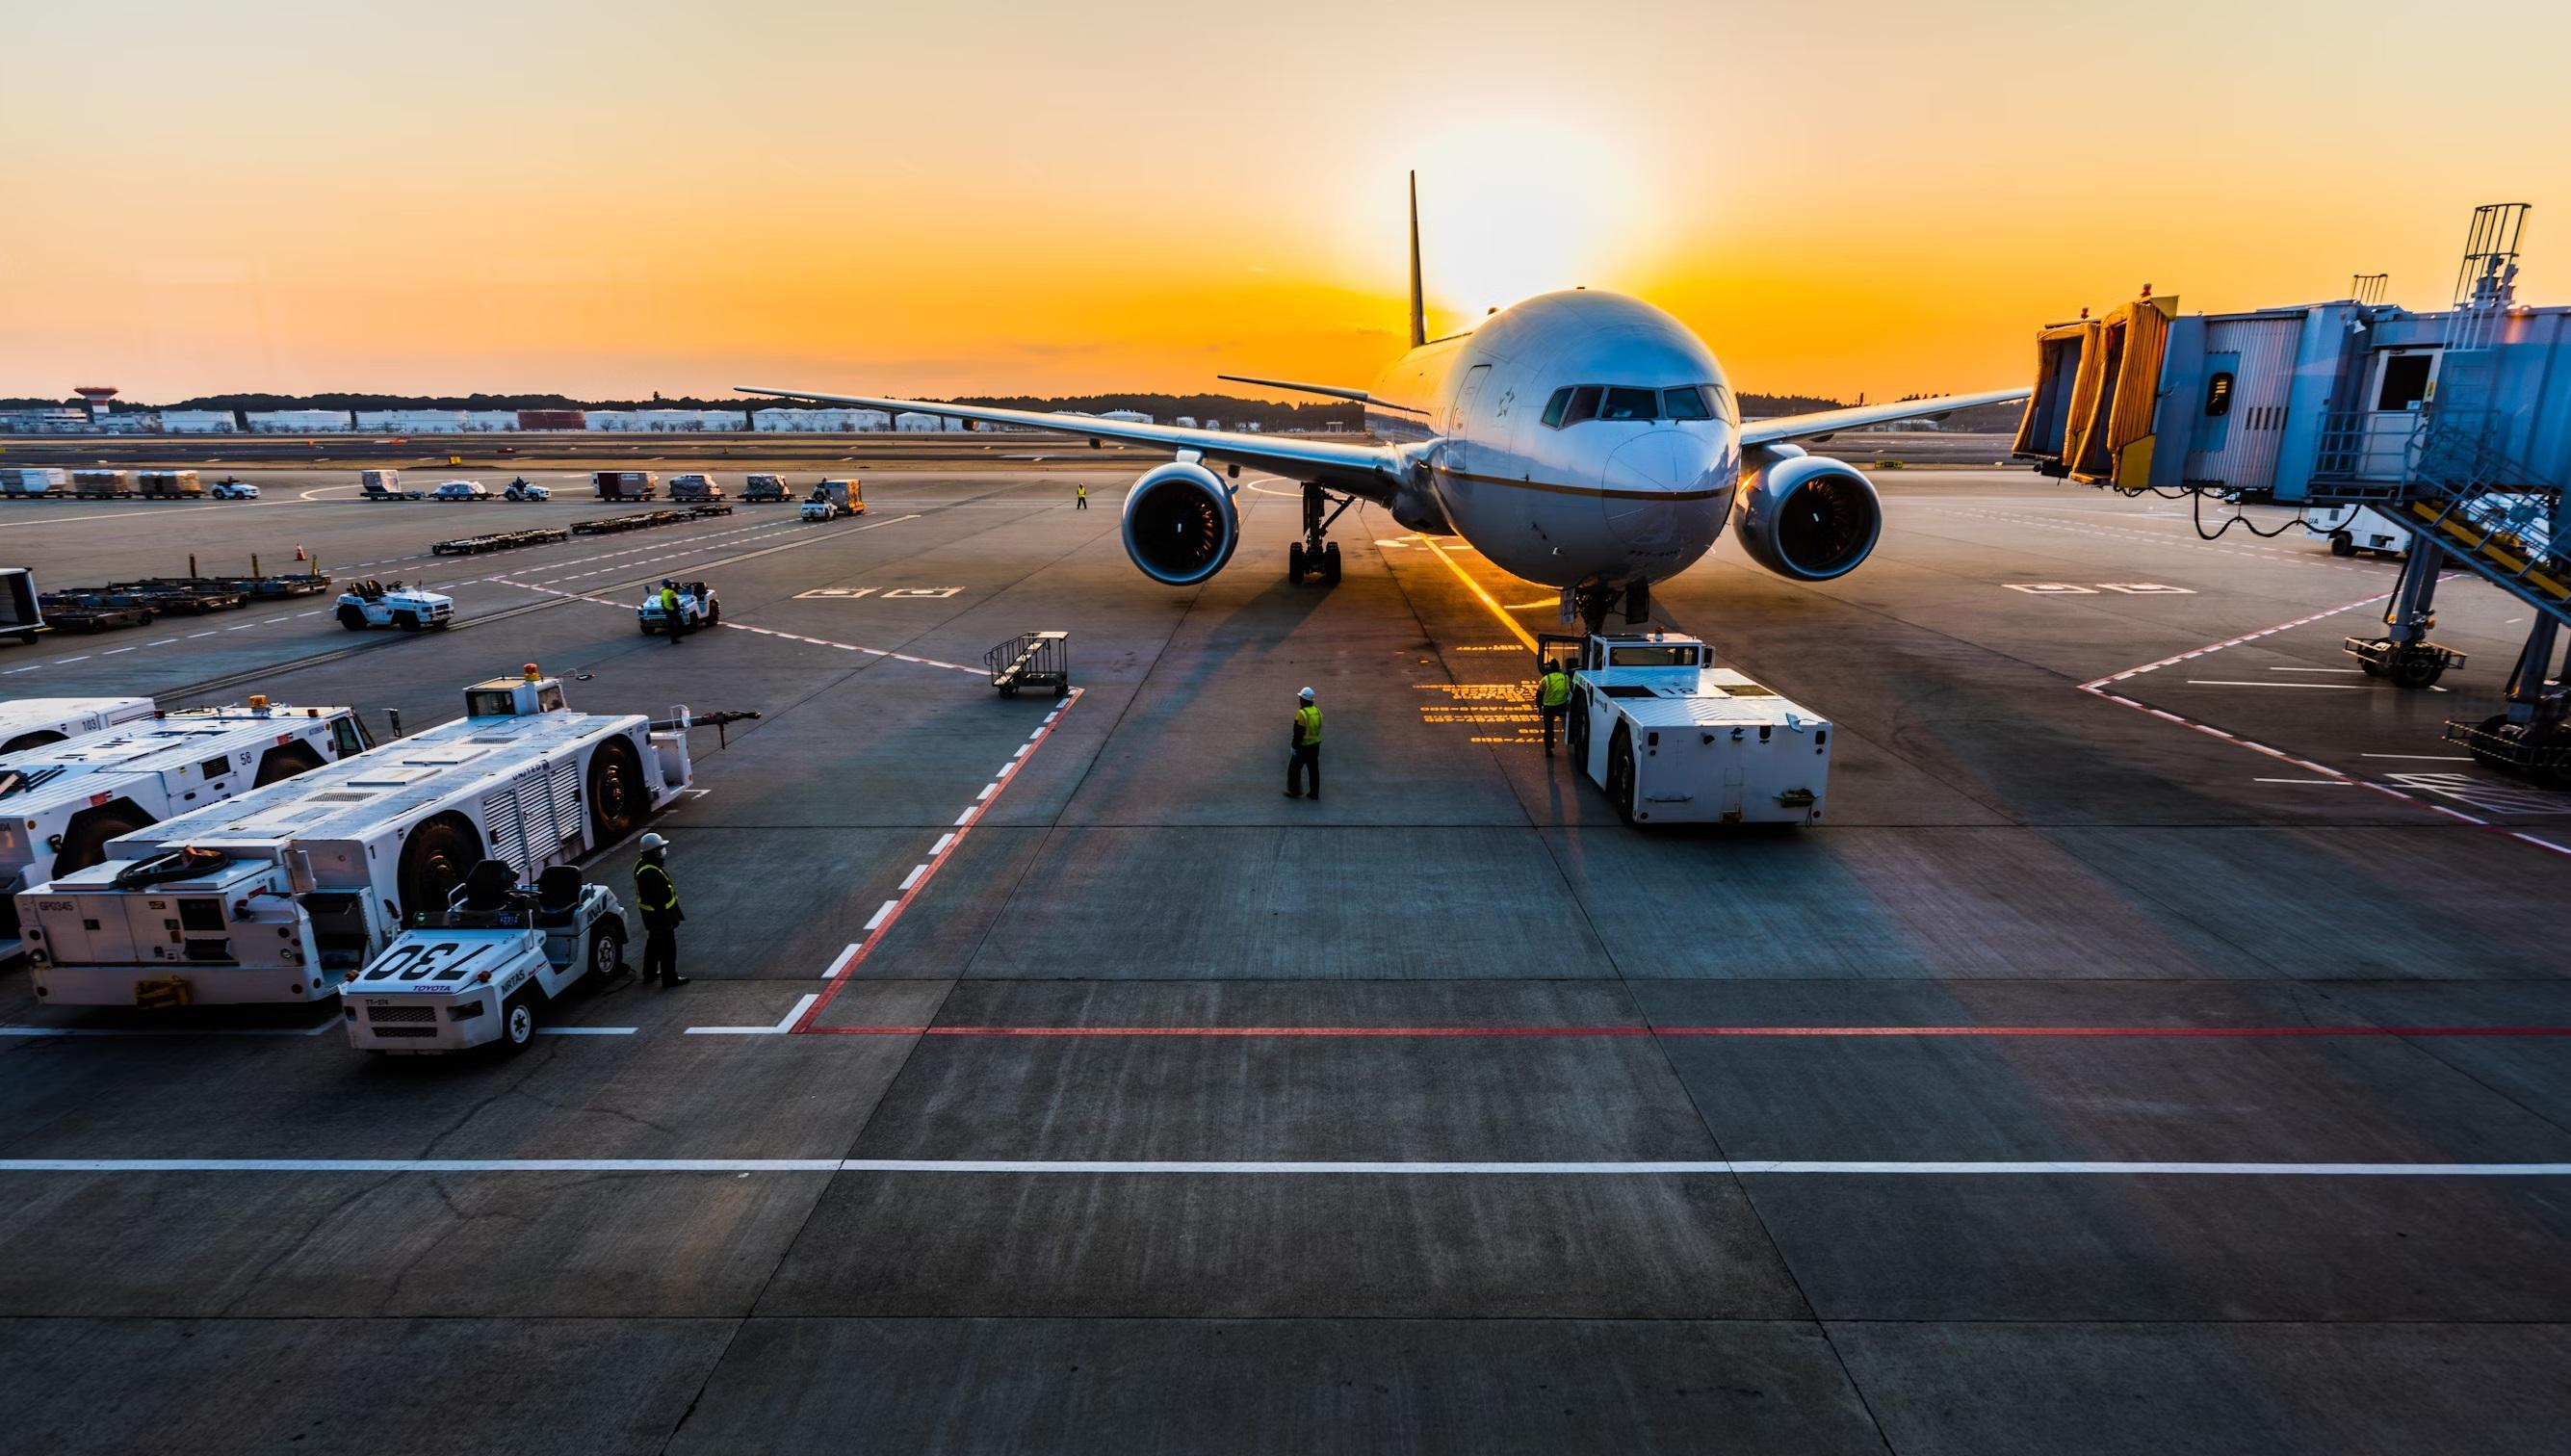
2097	387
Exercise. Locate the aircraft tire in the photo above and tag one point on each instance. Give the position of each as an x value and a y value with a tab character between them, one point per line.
1331	563
1295	563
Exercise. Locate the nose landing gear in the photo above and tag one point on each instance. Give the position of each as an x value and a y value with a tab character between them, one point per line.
1592	603
1316	555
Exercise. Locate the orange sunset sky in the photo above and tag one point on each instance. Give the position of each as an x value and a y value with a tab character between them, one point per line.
1056	197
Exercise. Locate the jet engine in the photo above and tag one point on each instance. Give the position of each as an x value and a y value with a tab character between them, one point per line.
1179	525
1806	517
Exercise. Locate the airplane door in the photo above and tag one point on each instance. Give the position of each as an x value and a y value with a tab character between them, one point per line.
1458	450
2401	382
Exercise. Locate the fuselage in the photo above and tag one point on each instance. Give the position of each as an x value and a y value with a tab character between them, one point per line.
1577	439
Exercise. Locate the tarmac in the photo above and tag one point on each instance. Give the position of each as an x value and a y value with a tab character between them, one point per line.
2163	1043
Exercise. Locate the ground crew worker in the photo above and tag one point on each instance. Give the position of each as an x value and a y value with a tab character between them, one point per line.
658	897
1552	699
1080	499
670	619
1306	754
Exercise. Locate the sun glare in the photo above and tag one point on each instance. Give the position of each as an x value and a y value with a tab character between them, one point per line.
1515	208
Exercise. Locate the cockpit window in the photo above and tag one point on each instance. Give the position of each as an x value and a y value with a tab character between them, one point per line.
1573	404
1629	404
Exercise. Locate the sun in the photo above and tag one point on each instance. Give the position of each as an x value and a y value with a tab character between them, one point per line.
1512	209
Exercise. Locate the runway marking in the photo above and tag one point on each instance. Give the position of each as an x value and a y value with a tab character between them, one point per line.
778	1030
587	1031
1749	1032
1487	599
1727	1168
916	883
839	965
913	879
110	652
84	657
2239	682
169	1031
2424	758
2323	783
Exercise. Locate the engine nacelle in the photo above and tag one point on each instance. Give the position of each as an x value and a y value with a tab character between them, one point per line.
1179	525
1806	517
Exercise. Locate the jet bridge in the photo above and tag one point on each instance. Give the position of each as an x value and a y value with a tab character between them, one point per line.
2455	422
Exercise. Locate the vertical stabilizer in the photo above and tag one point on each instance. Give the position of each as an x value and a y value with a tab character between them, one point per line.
1418	312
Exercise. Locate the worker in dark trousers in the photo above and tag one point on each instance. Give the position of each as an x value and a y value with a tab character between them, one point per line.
671	621
1306	748
1552	699
659	898
1080	498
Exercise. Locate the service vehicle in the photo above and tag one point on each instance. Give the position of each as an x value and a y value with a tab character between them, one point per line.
819	507
385	485
698	607
372	602
694	487
233	490
848	495
766	488
625	485
2352	528
460	490
34	480
487	968
60	804
22	609
275	895
32	723
523	489
168	485
1675	740
88	611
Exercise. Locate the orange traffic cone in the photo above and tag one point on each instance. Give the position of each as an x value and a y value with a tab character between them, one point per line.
299	552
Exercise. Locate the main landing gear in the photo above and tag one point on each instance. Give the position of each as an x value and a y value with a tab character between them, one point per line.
1592	603
1316	555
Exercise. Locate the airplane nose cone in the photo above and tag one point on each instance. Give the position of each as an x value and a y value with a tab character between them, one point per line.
1643	474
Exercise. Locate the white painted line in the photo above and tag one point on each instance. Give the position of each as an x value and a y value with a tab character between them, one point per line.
110	652
939	847
165	641
2351	671
1743	1168
586	1031
777	1030
988	790
2326	782
841	963
1021	752
882	910
913	879
192	635
30	668
170	1030
84	657
2424	758
2239	682
962	817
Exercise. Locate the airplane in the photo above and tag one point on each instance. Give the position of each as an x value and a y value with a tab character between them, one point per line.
1582	440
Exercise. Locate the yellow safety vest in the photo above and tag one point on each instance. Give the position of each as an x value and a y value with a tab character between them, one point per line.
1554	689
646	892
670	603
1308	725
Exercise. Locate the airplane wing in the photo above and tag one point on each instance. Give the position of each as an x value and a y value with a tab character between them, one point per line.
1333	391
1830	421
1370	471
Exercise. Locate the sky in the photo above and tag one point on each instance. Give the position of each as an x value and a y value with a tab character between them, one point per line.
1051	198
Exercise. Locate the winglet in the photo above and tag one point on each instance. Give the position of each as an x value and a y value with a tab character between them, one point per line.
1419	314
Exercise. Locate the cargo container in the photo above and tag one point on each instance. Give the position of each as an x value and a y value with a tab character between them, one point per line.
694	488
169	484
21	614
625	485
34	480
93	485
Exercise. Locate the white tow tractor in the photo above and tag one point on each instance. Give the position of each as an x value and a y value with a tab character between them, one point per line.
372	603
698	607
488	968
1675	740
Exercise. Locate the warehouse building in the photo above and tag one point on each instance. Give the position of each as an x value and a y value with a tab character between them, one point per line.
832	421
295	422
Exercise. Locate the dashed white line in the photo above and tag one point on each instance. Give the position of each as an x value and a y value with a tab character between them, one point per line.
777	1030
913	879
881	913
841	962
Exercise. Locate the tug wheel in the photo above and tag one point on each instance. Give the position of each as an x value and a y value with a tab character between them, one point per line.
616	794
435	861
1295	563
607	952
2415	670
517	1024
352	618
2342	543
1620	773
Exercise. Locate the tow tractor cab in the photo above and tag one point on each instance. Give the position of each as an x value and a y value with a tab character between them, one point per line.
372	603
1675	740
275	895
488	966
699	607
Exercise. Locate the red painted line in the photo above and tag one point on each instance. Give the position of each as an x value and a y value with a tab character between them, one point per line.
1694	1031
954	842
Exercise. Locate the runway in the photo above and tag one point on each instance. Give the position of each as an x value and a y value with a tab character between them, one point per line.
2160	1045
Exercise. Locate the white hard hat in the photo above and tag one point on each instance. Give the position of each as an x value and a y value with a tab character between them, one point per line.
1306	695
655	841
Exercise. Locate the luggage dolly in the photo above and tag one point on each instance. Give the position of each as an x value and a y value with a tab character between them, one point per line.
1031	659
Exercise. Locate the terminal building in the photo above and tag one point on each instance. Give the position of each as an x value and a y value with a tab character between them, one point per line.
2454	423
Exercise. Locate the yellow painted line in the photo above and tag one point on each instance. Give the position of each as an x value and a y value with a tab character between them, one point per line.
1488	599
